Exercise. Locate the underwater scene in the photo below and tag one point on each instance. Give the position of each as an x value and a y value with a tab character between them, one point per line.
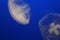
29	19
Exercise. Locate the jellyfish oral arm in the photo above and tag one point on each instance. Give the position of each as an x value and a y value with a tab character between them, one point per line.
54	29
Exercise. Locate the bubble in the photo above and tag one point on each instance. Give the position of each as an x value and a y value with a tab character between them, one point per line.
20	11
50	26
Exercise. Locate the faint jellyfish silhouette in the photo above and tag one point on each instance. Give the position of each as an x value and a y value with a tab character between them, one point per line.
50	26
19	10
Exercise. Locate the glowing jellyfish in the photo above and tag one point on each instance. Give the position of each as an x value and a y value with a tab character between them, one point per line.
50	26
19	11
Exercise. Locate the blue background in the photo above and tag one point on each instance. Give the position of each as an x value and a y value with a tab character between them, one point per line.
11	30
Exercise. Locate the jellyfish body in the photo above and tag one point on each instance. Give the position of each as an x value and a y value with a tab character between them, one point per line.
50	26
19	11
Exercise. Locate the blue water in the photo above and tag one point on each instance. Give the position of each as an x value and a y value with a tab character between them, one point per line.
11	30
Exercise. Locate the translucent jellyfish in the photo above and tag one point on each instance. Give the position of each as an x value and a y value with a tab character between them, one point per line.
20	11
50	26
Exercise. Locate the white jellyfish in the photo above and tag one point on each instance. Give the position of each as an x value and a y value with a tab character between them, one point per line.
50	26
19	10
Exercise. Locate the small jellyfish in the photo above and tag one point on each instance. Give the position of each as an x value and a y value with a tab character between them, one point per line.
50	26
20	11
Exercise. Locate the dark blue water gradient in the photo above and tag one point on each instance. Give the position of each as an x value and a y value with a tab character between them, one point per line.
11	30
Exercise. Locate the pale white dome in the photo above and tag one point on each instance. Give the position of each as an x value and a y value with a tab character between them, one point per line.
19	13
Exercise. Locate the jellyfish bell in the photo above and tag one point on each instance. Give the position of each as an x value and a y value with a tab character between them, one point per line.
19	13
50	26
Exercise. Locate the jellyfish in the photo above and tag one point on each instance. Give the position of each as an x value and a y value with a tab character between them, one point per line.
49	26
19	11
